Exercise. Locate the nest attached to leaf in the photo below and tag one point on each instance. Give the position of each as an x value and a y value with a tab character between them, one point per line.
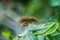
25	20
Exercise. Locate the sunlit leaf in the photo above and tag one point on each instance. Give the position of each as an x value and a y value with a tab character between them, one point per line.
51	29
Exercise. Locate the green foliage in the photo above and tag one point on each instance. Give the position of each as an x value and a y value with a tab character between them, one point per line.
38	8
51	29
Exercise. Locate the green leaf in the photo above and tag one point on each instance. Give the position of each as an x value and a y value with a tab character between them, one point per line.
51	29
54	36
55	2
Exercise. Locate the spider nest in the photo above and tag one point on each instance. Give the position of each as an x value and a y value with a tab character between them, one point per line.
25	20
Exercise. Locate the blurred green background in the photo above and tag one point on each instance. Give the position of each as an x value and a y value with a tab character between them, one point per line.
12	10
